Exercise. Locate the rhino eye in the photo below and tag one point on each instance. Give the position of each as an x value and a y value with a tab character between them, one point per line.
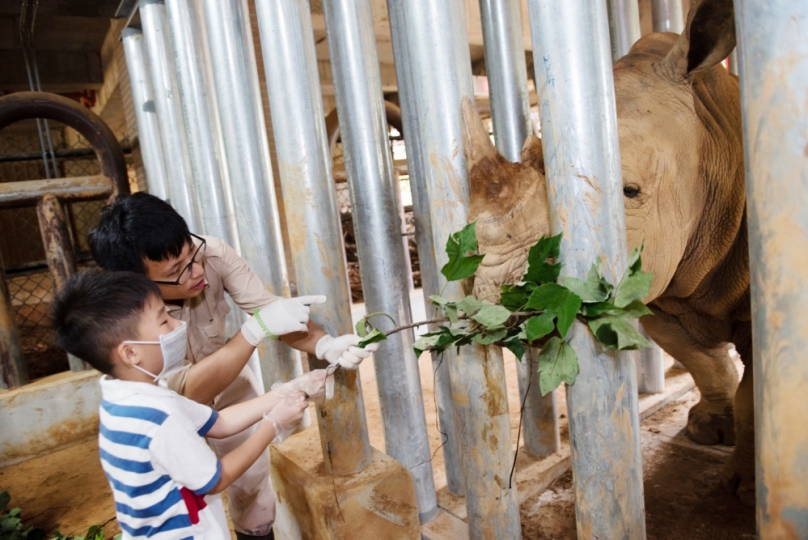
631	191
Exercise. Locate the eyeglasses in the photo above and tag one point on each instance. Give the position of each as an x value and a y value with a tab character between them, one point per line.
182	279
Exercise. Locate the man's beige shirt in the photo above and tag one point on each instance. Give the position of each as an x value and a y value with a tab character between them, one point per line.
205	314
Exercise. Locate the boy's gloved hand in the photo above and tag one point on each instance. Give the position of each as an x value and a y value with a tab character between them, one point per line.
343	350
286	415
312	384
283	316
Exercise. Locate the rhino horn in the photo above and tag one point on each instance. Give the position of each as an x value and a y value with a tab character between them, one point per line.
476	142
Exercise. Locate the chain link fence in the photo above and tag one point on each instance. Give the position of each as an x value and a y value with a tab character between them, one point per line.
21	247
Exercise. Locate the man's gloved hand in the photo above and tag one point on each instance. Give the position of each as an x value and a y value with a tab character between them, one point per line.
343	350
286	415
312	384
283	316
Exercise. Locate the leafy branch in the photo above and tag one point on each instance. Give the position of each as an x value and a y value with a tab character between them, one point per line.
536	311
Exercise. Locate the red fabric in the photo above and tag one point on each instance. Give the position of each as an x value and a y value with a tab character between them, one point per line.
194	503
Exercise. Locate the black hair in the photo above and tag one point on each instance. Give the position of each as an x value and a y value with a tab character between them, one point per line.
135	227
97	310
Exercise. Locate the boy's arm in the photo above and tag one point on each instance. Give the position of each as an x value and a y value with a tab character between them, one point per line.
209	377
236	418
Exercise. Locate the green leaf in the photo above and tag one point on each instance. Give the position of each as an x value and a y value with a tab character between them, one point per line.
538	269
488	339
469	305
559	301
514	297
492	316
617	332
361	327
450	310
424	343
515	346
538	327
636	309
5	499
458	245
594	289
598	308
635	284
374	336
557	363
438	300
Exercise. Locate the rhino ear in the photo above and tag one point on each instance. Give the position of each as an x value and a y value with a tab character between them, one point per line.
476	142
533	154
708	38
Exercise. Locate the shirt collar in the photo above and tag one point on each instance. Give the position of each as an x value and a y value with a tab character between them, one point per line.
116	389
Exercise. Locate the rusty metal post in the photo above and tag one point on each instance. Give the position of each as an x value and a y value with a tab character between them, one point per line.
13	371
423	234
438	58
374	196
58	251
582	153
773	51
315	232
668	16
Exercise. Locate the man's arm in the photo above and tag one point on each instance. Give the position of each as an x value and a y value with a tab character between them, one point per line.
209	377
304	341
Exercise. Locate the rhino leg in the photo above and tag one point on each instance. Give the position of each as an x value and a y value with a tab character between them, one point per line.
738	475
711	420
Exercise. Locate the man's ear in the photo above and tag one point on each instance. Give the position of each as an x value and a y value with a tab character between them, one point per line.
708	38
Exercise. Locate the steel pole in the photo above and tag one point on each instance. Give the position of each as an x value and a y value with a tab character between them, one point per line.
148	130
774	83
199	126
582	158
374	200
13	371
244	133
160	56
733	61
315	233
510	111
423	234
667	16
441	70
624	26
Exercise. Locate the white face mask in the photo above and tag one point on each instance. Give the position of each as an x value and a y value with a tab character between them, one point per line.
173	345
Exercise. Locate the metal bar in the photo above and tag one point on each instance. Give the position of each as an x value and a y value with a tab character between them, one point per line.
374	200
58	251
148	129
582	159
510	112
199	126
441	70
13	372
77	188
774	83
624	26
423	235
315	233
733	61
160	57
68	153
668	16
244	135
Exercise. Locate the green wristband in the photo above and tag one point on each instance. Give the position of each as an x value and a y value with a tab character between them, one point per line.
269	334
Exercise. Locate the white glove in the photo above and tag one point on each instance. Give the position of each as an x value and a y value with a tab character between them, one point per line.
283	316
286	415
312	384
343	350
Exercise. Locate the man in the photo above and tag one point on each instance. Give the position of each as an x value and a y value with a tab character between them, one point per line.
141	233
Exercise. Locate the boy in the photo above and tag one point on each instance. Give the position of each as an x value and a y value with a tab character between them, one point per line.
141	233
164	478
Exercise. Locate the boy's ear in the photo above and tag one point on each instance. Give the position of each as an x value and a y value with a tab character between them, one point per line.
125	354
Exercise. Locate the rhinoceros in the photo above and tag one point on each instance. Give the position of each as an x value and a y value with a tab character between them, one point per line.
679	123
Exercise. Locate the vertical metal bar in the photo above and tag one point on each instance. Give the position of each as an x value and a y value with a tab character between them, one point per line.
582	153
624	31
148	130
441	71
244	135
315	232
733	61
13	372
774	84
510	111
58	251
374	196
181	190
624	26
200	128
668	16
423	234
